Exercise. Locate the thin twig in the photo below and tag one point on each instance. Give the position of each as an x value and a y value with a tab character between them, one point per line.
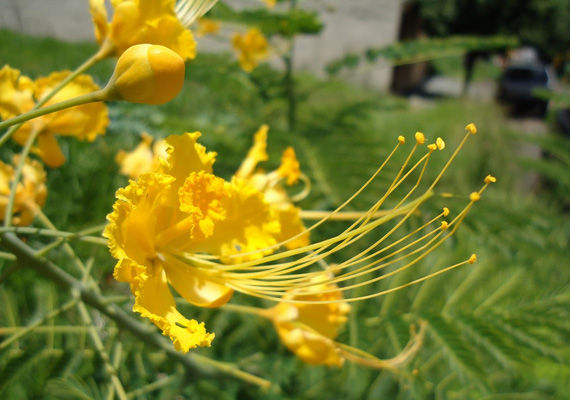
98	343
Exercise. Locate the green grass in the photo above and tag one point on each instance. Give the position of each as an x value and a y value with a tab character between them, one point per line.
500	326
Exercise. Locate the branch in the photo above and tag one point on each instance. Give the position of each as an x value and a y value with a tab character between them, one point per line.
193	363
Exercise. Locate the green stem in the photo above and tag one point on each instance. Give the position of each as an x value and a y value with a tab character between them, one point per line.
39	322
98	95
17	175
200	366
151	387
101	54
100	348
27	230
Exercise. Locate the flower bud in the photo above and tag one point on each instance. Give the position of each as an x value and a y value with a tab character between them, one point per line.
148	74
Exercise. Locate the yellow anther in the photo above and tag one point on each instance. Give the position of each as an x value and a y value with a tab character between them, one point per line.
490	179
475	196
471	128
473	259
445	211
420	138
401	139
440	143
447	195
432	147
444	225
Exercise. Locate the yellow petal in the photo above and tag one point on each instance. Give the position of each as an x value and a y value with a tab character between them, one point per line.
256	154
289	168
84	122
16	93
137	162
309	330
203	196
49	150
252	47
154	301
249	225
153	22
186	156
143	208
196	287
291	225
99	18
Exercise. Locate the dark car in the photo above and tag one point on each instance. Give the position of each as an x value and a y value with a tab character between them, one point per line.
516	87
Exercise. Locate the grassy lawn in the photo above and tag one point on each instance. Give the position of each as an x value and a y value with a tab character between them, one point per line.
498	327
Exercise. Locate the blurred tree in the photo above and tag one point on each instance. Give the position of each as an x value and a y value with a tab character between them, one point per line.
539	23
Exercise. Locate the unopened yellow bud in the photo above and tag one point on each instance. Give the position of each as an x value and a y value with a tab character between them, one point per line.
471	128
440	143
148	74
490	179
475	196
445	211
401	139
473	259
420	138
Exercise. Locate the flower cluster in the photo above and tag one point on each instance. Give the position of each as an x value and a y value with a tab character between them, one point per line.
18	95
182	225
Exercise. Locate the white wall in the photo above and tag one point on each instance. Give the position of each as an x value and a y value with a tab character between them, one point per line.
350	26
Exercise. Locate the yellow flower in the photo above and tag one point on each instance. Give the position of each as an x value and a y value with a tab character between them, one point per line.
270	3
185	209
207	26
309	330
18	94
162	22
310	326
208	237
31	192
274	193
143	159
252	48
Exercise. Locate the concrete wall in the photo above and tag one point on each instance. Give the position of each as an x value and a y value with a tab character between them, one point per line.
350	26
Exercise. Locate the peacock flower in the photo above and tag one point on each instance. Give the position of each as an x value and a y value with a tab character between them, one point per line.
309	330
31	191
18	95
145	158
163	22
251	47
271	185
207	26
208	237
310	326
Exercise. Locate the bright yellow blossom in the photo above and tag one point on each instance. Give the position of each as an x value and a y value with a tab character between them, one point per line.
270	3
18	95
31	191
270	185
144	158
207	26
208	237
309	330
310	326
163	22
252	48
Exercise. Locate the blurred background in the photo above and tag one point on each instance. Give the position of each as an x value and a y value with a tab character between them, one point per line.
343	80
